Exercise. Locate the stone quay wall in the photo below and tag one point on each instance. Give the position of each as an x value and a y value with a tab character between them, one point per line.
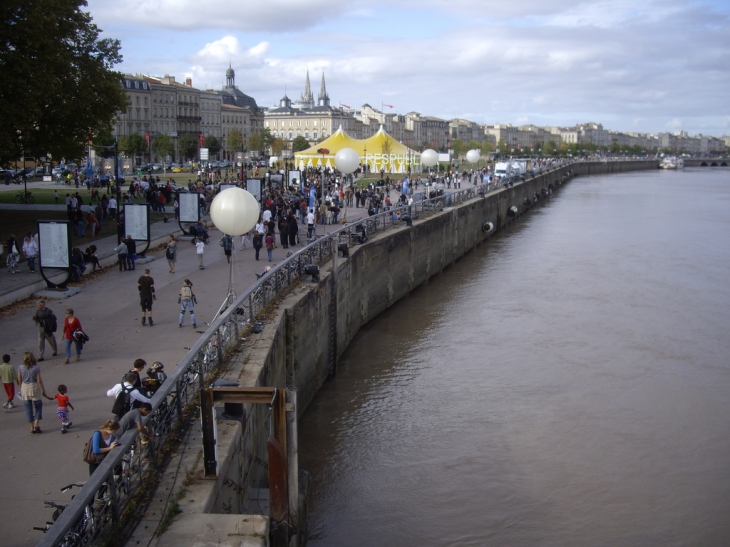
310	327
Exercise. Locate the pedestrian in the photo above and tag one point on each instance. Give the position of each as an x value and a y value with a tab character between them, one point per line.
70	325
55	196
131	252
63	405
137	368
146	286
199	250
293	229
122	251
13	256
284	231
113	207
47	324
135	396
270	244
156	373
30	250
227	244
9	378
134	418
258	242
171	252
103	441
187	301
310	224
32	390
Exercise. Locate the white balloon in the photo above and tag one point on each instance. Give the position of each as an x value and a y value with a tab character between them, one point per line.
234	211
429	157
472	156
347	160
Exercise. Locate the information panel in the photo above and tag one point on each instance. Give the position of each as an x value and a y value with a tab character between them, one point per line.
189	208
254	187
295	178
55	245
136	221
226	186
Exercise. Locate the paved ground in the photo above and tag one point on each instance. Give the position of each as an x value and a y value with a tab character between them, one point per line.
34	467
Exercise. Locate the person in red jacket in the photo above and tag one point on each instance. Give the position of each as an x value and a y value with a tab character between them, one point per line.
70	325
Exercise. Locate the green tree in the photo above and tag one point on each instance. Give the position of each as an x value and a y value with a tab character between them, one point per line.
188	146
267	136
277	145
58	87
256	142
550	148
459	148
299	144
473	145
104	145
487	147
213	145
134	145
234	142
502	147
163	146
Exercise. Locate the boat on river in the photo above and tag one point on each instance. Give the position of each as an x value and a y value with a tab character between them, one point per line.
672	163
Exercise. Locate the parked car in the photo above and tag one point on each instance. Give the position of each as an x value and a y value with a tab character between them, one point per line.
179	169
157	166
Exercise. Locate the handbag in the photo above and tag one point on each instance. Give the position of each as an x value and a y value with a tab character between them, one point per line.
169	254
134	256
89	455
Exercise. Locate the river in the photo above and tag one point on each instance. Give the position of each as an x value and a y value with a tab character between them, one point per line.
565	384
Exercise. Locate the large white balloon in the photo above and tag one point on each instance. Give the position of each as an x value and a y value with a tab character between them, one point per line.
234	211
472	156
347	160
429	157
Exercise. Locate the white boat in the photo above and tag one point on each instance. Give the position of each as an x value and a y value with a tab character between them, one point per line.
672	163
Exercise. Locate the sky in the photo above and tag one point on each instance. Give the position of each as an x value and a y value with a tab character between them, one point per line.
645	66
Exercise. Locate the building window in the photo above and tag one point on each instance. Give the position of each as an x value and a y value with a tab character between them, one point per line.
299	123
291	123
267	124
314	135
324	124
324	134
306	135
306	123
315	124
290	135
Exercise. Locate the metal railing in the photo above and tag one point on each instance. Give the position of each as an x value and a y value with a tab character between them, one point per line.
96	511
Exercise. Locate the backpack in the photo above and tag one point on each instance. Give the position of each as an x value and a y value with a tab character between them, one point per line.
123	402
50	324
186	293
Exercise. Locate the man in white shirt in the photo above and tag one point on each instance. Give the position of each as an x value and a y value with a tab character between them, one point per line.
200	249
267	215
112	207
134	394
310	223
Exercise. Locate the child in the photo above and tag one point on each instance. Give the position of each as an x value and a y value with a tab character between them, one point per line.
63	405
8	377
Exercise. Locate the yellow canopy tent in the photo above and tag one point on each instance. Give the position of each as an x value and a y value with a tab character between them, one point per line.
381	151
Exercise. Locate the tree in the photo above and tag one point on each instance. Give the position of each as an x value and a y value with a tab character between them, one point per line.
502	147
473	145
212	144
104	145
188	145
256	142
299	144
163	146
234	142
550	148
134	145
487	147
58	87
459	148
277	145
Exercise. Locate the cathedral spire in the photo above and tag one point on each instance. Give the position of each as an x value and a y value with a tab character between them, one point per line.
323	99
307	98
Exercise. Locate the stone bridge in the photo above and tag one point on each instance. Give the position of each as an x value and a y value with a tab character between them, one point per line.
706	162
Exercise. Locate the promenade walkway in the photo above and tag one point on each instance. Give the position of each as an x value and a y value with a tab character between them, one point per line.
35	467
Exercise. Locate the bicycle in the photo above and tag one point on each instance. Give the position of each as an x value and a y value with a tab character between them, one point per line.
24	197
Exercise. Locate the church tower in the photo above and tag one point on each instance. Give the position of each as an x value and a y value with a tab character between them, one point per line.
323	99
307	99
230	77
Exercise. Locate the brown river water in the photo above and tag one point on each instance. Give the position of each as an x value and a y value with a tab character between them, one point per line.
565	384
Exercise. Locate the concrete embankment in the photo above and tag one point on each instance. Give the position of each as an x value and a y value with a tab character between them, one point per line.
308	328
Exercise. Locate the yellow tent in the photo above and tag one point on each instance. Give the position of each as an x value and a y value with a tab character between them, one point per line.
381	151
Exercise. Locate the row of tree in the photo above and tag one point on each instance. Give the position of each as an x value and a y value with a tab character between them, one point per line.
549	148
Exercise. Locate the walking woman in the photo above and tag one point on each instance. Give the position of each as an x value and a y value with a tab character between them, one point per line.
70	325
32	390
171	252
103	441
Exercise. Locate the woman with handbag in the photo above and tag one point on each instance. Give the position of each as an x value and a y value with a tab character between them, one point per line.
70	325
171	252
32	391
13	254
102	442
